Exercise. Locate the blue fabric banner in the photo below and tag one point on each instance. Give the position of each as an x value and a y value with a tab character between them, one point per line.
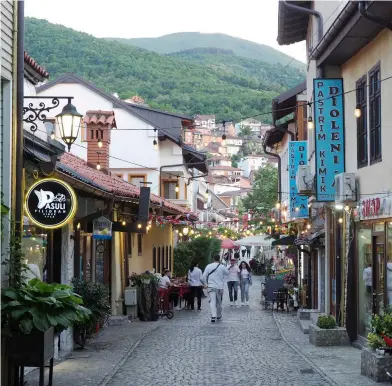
329	135
298	155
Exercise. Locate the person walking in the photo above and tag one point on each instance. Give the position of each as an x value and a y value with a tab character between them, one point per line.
245	282
214	280
233	281
195	275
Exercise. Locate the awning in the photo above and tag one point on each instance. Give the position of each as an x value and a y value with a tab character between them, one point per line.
281	105
288	240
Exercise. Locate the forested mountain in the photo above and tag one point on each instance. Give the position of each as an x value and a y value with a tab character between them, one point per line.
192	83
188	40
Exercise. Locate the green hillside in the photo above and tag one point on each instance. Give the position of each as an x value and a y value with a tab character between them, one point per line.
169	83
188	40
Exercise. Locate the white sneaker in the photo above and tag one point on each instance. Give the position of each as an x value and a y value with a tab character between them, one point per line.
236	303
231	303
242	304
246	303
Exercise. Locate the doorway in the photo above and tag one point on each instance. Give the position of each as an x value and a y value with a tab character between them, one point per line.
378	273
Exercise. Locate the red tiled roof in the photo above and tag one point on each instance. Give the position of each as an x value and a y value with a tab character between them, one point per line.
100	117
78	168
31	62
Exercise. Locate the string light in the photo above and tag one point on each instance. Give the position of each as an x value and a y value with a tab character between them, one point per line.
155	143
100	144
98	166
357	111
340	220
177	189
78	226
52	136
139	225
123	223
277	205
310	123
223	139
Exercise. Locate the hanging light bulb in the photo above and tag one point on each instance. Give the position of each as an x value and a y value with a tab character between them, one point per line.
310	123
277	205
52	135
273	220
192	232
357	111
177	189
100	144
123	223
340	220
308	226
223	139
206	194
261	223
180	234
98	166
78	226
155	143
139	225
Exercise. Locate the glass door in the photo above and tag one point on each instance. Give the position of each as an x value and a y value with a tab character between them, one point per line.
378	274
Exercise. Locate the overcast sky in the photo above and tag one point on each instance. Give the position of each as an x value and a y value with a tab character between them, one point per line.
254	20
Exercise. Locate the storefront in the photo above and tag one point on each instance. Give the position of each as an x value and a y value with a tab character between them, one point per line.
374	258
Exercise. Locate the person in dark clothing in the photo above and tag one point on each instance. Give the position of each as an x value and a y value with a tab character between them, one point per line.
248	249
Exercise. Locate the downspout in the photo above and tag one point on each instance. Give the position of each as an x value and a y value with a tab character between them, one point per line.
309	289
19	171
376	19
309	12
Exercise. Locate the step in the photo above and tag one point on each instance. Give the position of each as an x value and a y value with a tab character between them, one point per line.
304	325
305	314
118	320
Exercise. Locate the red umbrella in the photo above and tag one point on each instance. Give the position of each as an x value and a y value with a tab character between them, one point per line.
227	244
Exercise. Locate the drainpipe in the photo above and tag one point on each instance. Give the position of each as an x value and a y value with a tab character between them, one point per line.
376	19
309	12
309	289
19	183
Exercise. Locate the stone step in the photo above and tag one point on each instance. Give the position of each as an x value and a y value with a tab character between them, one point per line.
304	325
118	320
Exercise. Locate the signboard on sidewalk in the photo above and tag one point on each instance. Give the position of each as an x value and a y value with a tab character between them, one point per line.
329	135
50	203
298	155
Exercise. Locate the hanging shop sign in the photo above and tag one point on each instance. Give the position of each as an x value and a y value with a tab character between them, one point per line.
329	135
298	155
102	228
375	207
50	203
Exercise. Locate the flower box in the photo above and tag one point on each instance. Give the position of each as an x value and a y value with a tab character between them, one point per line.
328	337
375	366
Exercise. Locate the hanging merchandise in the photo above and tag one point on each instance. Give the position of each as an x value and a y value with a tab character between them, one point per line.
102	229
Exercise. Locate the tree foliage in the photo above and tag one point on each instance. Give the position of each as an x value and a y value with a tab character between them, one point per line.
264	194
168	83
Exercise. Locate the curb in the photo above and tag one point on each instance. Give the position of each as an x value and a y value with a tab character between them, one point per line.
302	355
114	370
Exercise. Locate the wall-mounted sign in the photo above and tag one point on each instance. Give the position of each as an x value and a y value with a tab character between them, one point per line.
298	155
102	228
375	207
50	203
329	135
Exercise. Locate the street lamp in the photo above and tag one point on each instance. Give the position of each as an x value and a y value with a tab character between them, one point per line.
68	122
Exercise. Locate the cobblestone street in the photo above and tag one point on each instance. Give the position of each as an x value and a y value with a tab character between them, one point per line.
249	346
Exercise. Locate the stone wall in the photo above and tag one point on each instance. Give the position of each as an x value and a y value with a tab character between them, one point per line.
375	366
322	337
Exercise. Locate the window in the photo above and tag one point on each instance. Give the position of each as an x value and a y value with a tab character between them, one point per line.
169	190
375	113
362	136
139	244
137	179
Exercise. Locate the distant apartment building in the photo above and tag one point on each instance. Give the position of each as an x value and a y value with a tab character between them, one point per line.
258	128
218	161
205	122
252	163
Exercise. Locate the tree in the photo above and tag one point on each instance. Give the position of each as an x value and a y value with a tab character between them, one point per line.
245	131
235	158
264	194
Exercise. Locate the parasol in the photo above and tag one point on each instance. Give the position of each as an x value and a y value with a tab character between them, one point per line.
228	244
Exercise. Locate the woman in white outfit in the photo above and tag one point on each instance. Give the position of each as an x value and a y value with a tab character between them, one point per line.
245	282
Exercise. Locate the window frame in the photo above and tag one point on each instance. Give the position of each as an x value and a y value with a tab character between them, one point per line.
170	181
375	130
130	176
362	123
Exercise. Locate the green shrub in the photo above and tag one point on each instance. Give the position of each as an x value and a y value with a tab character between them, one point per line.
326	322
375	341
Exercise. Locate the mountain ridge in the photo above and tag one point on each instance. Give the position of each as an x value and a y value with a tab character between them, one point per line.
180	41
230	88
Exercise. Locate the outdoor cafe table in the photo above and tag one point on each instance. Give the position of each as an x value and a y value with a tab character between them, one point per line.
181	290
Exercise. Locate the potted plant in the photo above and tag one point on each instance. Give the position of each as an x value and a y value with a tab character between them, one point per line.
95	297
327	333
373	359
289	280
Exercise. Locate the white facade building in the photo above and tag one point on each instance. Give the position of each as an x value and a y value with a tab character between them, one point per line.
250	164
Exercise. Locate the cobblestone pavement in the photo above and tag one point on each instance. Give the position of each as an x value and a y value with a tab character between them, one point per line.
342	365
245	348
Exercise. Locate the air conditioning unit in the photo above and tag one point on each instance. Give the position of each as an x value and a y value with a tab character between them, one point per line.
345	188
304	180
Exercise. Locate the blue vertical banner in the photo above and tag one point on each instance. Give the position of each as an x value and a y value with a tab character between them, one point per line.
298	155
329	135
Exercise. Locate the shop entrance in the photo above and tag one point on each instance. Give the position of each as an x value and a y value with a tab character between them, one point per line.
378	273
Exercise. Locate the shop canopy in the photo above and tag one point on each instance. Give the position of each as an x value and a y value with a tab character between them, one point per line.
288	240
259	240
